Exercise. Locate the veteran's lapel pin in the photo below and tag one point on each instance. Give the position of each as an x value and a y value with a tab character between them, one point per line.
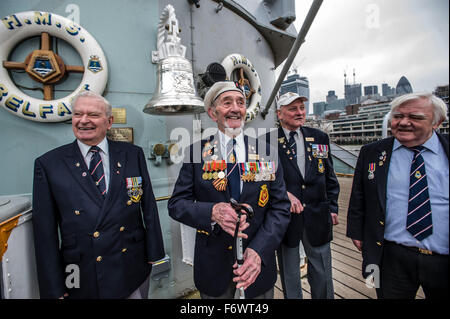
371	170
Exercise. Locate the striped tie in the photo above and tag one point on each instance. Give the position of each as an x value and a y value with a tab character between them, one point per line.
233	172
96	169
292	144
419	222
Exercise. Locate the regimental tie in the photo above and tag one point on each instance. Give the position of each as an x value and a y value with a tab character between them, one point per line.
96	170
233	177
292	144
419	222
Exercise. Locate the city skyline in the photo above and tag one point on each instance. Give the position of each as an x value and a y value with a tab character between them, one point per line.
382	40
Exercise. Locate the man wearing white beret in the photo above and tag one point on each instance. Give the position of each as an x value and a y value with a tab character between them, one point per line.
231	167
313	190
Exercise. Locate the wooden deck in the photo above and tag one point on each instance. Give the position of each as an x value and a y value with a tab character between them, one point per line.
346	259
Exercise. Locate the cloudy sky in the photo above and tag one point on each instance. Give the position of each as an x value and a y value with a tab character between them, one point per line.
381	39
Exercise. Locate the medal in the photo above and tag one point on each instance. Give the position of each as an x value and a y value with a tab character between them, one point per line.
371	171
134	186
220	184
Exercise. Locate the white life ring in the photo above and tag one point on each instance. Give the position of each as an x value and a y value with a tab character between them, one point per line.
237	61
19	26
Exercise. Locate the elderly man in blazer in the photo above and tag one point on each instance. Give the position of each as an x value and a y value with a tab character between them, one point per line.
201	199
94	209
313	191
398	212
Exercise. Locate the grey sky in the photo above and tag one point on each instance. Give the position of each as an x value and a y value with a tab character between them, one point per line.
381	39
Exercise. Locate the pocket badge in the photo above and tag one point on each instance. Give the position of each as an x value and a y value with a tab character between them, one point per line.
320	166
263	196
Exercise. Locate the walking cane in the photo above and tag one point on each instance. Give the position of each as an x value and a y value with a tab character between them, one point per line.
238	240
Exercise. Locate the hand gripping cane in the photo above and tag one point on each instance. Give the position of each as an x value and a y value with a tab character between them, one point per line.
238	240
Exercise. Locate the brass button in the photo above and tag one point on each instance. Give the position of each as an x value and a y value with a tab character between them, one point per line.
99	259
303	186
124	250
381	223
77	212
230	247
129	202
378	243
122	228
96	234
304	205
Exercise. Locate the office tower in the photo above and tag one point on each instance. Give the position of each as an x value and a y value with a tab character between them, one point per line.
403	86
387	90
353	93
297	84
331	97
319	108
371	90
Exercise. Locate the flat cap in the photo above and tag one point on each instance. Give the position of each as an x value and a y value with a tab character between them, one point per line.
218	88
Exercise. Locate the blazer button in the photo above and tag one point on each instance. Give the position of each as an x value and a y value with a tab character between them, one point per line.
303	186
77	212
99	259
381	223
96	234
124	250
122	228
378	243
304	205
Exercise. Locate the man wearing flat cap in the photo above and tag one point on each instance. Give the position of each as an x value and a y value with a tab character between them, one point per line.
224	166
313	191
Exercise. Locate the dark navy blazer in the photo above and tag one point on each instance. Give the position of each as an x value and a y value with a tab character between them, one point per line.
191	203
111	241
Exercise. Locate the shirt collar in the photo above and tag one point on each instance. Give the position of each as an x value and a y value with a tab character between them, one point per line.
286	132
84	148
224	139
431	144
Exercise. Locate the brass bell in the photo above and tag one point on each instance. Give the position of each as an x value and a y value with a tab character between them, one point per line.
175	91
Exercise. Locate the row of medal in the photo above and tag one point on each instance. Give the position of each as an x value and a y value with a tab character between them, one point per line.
250	171
257	171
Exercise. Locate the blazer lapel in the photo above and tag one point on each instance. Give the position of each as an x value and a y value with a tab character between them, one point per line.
382	171
308	158
282	149
444	141
80	172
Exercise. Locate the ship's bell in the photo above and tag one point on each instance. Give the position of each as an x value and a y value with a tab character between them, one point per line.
175	90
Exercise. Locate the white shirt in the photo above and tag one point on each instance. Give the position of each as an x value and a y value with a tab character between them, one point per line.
300	142
104	154
239	148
